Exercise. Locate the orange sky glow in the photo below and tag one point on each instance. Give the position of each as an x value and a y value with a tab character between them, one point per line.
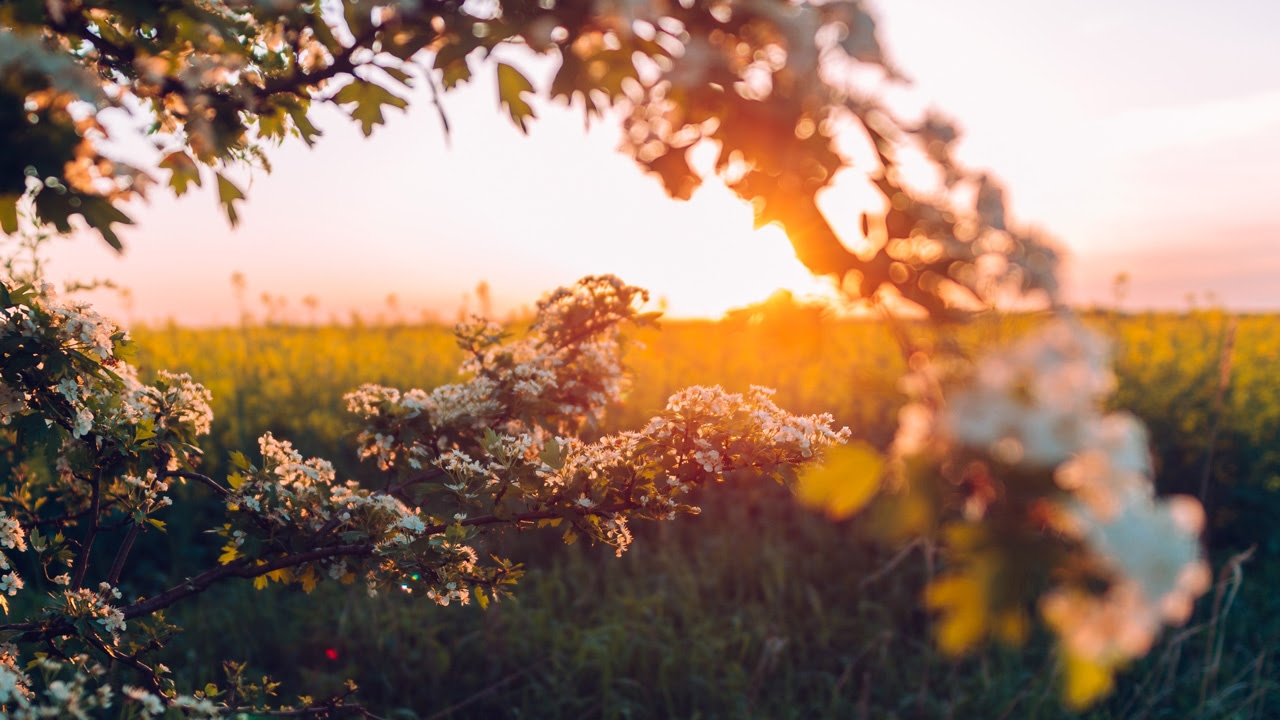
1145	136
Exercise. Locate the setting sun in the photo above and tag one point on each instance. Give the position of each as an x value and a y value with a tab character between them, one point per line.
724	358
424	218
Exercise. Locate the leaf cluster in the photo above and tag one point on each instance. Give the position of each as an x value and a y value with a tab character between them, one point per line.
771	84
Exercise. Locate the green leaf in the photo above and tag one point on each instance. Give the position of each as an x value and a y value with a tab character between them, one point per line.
239	461
399	75
183	169
369	99
406	42
451	61
511	86
9	213
271	124
57	209
491	441
228	193
844	483
302	124
323	33
54	209
552	454
144	430
357	13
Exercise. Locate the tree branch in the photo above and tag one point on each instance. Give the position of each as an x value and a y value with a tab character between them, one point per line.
202	479
95	506
148	674
117	565
238	569
534	515
322	711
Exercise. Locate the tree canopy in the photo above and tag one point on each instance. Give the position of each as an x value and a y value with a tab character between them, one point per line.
1037	493
779	88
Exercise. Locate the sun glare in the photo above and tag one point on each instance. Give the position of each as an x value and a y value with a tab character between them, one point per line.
722	262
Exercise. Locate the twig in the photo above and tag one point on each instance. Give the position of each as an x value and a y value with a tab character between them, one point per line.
202	479
95	506
335	705
117	566
147	673
239	569
435	100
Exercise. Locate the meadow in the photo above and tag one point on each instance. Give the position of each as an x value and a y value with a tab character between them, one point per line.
755	608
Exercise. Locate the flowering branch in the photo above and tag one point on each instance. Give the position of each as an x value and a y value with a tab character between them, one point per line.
202	479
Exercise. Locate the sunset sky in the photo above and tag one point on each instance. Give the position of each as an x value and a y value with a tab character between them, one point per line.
1144	135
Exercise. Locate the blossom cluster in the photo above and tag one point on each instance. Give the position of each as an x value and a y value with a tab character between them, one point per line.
12	537
78	689
502	447
558	377
62	366
292	497
73	323
703	434
54	347
95	606
79	695
1033	414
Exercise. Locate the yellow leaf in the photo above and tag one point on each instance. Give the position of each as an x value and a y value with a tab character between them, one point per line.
481	599
184	171
348	578
512	86
235	480
229	553
549	523
259	582
961	601
843	484
368	98
1084	681
309	580
228	193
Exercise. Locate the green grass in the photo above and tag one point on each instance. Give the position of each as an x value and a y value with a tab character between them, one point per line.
756	608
